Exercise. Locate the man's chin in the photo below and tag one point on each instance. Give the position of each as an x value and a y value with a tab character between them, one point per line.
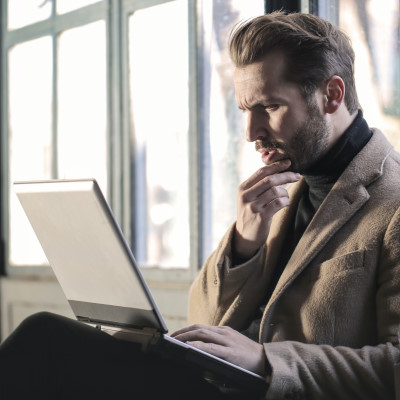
267	160
293	167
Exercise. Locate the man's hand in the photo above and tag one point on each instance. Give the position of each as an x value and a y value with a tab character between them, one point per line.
226	343
259	198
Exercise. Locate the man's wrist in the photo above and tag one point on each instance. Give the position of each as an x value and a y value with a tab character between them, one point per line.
240	257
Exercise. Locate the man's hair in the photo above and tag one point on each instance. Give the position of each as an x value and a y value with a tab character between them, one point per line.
315	50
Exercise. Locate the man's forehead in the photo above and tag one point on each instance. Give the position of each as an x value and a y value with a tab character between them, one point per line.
249	72
271	67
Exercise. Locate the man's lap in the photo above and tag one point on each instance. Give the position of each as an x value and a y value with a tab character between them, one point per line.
59	358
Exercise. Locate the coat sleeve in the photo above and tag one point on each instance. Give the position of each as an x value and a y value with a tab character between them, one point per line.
215	298
311	371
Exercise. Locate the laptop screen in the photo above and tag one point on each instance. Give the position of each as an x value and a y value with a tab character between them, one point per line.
84	246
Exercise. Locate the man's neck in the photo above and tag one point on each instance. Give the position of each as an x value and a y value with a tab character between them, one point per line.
340	121
352	140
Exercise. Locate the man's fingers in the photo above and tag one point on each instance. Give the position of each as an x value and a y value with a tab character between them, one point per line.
269	204
263	172
202	335
256	207
192	328
226	343
268	189
208	334
266	184
212	348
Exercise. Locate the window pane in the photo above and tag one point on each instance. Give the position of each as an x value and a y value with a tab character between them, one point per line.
30	88
232	158
373	27
159	96
82	109
25	12
64	6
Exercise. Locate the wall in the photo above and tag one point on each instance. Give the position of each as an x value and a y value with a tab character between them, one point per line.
21	298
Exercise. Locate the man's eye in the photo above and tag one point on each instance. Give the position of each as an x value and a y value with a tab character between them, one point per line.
272	107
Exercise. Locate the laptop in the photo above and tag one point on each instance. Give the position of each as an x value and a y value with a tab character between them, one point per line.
100	278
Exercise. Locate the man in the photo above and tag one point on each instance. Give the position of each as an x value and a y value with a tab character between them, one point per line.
312	273
305	286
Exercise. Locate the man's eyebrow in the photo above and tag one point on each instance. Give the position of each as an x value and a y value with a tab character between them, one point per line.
263	103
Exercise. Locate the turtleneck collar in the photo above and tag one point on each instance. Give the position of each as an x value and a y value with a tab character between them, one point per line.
331	166
323	175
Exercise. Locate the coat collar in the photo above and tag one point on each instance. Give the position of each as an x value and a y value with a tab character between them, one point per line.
347	196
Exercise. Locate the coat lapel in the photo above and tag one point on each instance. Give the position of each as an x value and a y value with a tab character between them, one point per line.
334	212
347	196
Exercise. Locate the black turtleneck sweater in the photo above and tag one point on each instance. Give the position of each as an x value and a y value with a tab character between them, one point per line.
320	179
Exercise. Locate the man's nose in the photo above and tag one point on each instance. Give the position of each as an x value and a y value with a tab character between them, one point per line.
256	126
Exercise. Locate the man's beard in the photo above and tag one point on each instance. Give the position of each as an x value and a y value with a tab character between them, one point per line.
308	144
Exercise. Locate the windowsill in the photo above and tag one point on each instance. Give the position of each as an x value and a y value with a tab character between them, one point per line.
170	276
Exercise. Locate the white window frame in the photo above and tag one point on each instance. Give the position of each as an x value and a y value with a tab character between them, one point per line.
52	26
116	13
154	273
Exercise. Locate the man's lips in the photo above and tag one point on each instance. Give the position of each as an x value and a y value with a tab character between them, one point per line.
268	155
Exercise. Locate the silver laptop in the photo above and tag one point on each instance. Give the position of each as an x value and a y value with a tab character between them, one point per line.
100	278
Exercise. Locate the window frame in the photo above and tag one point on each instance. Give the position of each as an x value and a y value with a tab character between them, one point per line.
128	7
115	13
52	27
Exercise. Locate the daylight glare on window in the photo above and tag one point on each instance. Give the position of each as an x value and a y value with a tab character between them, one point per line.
25	12
373	27
30	137
77	148
158	60
82	116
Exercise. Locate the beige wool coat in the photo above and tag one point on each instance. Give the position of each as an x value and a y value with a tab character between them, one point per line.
330	327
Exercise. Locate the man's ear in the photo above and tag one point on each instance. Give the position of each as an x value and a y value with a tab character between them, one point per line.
334	94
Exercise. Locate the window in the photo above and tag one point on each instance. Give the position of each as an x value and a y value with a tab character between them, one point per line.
138	95
54	104
159	105
373	27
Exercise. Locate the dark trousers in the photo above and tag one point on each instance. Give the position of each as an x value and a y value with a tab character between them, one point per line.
52	357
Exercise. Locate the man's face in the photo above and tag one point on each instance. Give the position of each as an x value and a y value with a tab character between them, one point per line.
281	122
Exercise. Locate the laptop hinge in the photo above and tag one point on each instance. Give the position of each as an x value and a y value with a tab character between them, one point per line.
145	337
